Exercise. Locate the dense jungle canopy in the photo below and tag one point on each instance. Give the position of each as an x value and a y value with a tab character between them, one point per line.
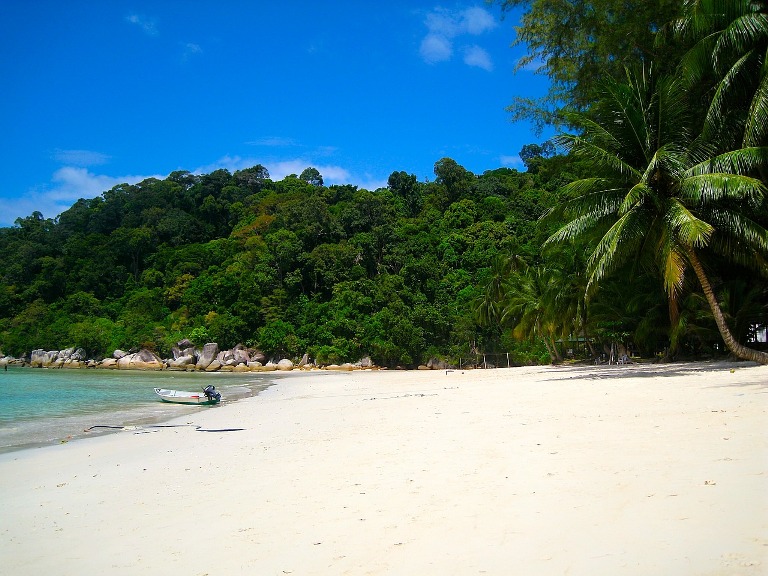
642	226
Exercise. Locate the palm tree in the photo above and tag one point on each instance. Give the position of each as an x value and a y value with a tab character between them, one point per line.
489	305
728	59
662	192
525	300
530	308
571	304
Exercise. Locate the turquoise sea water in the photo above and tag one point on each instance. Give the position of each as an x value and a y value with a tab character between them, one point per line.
42	406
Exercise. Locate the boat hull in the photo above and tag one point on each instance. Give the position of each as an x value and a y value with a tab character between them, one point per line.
182	397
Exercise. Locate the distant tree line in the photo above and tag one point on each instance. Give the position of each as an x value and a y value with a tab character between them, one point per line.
288	266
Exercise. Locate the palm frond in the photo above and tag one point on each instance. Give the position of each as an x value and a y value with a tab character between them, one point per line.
693	23
635	197
625	236
603	158
716	113
673	117
697	62
740	253
685	226
573	229
587	126
707	188
673	271
741	35
583	212
671	159
585	186
626	107
741	161
740	231
756	130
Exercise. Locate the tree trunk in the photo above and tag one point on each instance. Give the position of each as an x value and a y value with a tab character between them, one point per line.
558	356
549	350
590	346
737	349
552	357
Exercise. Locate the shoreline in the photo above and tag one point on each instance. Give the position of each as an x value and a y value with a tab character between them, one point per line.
638	469
50	431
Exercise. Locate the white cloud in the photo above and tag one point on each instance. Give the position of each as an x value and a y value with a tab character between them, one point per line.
331	174
477	21
68	184
72	183
279	169
335	174
147	25
231	163
443	22
272	141
80	157
325	150
12	208
445	27
435	49
369	182
513	161
190	49
476	56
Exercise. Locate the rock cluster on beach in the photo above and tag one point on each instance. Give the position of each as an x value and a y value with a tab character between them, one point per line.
185	357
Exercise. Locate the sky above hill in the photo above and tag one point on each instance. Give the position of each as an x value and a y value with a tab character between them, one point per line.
99	93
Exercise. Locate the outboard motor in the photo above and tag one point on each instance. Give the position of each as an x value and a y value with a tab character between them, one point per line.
211	394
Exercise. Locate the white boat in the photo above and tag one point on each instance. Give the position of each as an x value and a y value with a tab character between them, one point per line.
207	396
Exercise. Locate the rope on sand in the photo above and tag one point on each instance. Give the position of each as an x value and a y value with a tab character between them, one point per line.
195	426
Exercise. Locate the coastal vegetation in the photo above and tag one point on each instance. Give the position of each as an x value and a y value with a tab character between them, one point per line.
640	229
290	266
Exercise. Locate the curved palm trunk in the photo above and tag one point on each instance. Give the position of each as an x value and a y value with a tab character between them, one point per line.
737	349
549	350
549	344
558	357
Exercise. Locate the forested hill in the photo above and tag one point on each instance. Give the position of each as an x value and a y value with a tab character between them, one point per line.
288	266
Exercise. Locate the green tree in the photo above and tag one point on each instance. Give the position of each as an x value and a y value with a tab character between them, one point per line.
576	42
312	176
405	186
456	179
660	193
285	248
134	243
728	63
532	154
254	179
490	303
531	310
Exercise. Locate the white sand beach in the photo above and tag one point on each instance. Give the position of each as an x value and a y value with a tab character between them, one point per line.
592	470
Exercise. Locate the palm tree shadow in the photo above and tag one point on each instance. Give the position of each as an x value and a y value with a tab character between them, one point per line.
618	372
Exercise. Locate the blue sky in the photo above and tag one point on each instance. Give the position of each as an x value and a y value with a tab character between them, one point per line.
99	93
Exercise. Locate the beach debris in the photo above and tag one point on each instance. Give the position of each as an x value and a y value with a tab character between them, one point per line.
419	395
